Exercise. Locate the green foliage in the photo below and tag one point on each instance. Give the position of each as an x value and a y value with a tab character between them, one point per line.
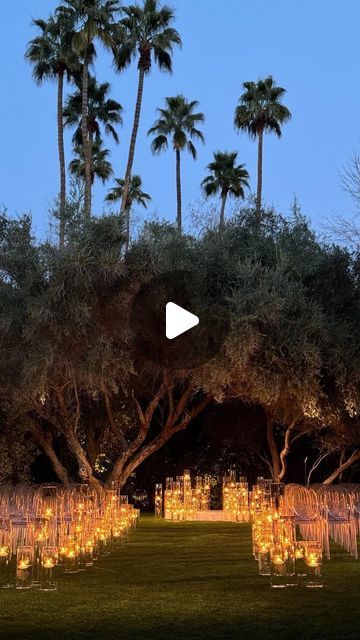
145	31
100	166
136	194
226	178
50	52
92	20
260	108
177	121
102	111
66	335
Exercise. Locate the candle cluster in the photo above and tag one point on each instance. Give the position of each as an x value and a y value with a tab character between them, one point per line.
51	528
182	500
187	499
288	560
236	496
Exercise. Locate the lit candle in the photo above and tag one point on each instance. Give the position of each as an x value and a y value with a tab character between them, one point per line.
4	552
312	561
23	564
48	563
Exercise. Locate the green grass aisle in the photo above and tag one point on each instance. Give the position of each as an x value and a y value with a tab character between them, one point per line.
193	581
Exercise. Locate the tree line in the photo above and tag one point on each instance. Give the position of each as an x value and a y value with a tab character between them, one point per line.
65	50
74	384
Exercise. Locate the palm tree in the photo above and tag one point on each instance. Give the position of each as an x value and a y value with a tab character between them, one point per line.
102	111
100	166
145	32
226	178
94	20
52	58
260	110
177	121
135	194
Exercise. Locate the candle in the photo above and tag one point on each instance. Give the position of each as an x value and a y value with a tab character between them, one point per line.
313	562
23	564
4	552
48	563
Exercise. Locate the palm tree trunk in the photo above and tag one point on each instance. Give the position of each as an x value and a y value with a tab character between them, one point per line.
178	191
127	241
133	141
259	176
222	211
86	141
60	120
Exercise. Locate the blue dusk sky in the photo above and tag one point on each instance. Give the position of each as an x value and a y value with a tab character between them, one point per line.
310	47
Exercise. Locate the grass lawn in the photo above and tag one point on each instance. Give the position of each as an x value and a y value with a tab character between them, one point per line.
186	581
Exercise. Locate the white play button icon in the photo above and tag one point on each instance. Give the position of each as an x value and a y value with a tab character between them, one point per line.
178	320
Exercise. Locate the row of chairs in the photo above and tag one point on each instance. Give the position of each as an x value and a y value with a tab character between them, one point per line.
326	512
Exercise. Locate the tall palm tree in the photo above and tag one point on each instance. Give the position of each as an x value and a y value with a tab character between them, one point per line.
94	20
100	165
145	33
260	110
177	121
135	194
226	178
52	58
102	111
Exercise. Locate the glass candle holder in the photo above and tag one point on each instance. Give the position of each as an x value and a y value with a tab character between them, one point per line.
278	567
313	560
24	566
264	559
71	560
40	542
48	564
291	576
5	567
158	500
87	551
300	563
81	554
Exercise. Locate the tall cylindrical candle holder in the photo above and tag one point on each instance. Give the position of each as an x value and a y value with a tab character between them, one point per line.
158	501
5	567
278	567
313	560
24	566
48	569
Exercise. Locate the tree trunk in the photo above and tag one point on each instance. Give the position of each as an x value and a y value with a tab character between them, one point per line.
60	122
44	441
133	141
85	469
342	467
86	141
178	191
275	458
286	450
222	211
127	240
138	453
259	171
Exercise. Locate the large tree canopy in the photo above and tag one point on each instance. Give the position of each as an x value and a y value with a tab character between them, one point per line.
71	377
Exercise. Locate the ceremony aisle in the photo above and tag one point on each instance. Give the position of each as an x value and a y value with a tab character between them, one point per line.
186	580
